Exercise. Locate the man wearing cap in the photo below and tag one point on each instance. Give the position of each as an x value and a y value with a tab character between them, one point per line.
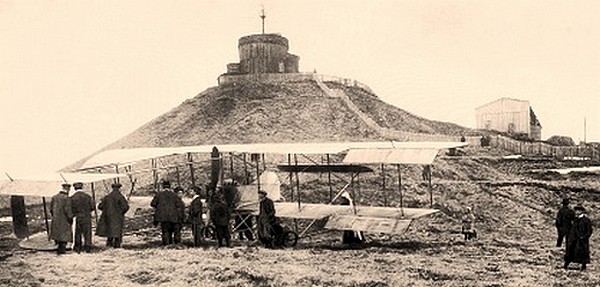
266	219
564	219
220	216
113	206
195	215
62	219
578	241
82	205
169	212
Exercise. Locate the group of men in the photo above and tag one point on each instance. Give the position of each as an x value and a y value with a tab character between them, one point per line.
576	227
64	209
169	212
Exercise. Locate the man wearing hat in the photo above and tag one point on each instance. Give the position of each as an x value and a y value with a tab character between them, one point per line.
169	212
266	219
578	241
113	206
564	219
62	219
82	207
195	214
220	216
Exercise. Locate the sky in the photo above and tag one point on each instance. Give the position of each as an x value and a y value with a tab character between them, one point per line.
76	76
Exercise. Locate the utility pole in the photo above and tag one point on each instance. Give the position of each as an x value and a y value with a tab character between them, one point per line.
584	130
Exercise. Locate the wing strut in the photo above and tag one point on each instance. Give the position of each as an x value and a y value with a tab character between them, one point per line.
297	181
383	185
400	189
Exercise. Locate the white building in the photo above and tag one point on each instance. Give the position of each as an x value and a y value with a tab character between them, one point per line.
509	115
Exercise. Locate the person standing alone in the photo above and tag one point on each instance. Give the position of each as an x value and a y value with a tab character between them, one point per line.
82	205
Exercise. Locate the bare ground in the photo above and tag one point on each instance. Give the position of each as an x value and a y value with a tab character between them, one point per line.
515	246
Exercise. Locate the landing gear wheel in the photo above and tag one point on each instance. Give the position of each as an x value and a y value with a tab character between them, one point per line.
290	238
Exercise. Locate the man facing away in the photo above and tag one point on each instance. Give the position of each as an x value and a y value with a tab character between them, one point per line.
266	219
62	219
113	206
578	241
220	216
169	212
564	220
82	205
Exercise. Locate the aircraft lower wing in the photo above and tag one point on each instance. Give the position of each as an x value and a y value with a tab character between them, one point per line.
372	219
368	224
319	211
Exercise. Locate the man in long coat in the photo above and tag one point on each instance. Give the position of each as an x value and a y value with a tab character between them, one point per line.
578	241
62	219
82	207
564	220
169	212
266	219
113	206
195	215
220	216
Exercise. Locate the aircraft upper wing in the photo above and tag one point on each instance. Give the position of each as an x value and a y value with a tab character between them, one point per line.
48	184
392	156
126	156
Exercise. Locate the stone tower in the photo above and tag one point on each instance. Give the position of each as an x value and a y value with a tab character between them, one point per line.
264	53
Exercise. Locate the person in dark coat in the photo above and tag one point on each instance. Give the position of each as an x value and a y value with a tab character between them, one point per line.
220	216
266	219
82	205
169	212
195	216
564	220
62	219
578	241
113	206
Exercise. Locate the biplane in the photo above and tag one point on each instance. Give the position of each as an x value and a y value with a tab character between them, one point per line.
355	156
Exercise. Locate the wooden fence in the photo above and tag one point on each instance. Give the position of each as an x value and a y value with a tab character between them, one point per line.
544	149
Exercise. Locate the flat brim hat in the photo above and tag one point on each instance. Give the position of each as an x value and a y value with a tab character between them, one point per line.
565	200
166	183
78	185
262	192
116	185
66	185
579	207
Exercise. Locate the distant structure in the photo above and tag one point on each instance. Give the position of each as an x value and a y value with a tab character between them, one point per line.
264	53
511	116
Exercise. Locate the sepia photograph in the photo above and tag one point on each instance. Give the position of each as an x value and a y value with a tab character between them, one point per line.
299	143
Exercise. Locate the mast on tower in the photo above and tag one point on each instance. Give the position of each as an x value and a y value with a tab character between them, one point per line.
263	16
